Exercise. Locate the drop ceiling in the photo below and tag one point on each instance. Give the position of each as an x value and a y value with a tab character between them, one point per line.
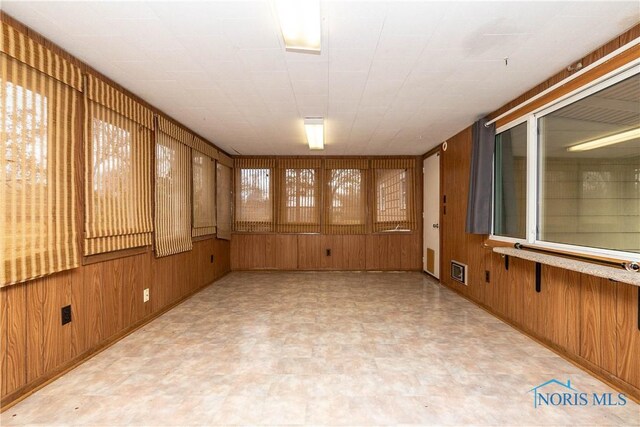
392	78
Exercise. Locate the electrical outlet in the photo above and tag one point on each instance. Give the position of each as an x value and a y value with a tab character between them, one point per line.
328	252
145	295
487	276
66	314
211	259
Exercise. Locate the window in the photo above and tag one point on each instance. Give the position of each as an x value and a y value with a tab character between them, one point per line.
510	183
589	170
118	170
299	195
204	202
37	199
345	197
391	200
578	183
394	205
223	197
173	190
254	195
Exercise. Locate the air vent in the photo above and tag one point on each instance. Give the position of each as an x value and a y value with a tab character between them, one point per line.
459	272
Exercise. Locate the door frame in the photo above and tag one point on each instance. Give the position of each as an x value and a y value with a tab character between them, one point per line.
436	151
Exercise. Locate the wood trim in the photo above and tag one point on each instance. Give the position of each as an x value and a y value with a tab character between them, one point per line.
86	68
362	157
579	82
559	252
108	256
631	34
433	151
201	238
580	362
17	396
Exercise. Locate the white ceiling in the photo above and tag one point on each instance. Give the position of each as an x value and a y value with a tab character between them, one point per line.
393	77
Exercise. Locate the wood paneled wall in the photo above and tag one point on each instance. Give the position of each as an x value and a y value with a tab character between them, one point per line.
309	252
106	302
372	251
106	297
592	321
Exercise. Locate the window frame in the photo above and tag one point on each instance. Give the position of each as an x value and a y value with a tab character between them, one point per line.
329	227
499	130
409	202
248	226
533	167
283	206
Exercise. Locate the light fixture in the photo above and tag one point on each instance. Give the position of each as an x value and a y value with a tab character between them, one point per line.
300	24
314	128
607	140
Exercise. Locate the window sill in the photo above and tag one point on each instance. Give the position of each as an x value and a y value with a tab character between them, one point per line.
108	256
592	269
205	237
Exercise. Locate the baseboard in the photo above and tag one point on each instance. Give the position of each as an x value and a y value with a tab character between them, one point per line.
28	389
606	377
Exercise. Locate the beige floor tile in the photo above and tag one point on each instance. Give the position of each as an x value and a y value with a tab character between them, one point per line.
317	349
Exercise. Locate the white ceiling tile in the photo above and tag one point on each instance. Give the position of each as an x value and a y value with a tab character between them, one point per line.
400	46
392	77
251	33
308	71
351	60
263	60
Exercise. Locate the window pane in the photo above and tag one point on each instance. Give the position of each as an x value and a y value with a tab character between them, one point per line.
204	188
37	174
346	197
254	207
173	196
300	191
589	177
510	183
391	212
223	201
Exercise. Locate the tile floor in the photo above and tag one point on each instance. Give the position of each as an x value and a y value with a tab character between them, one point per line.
318	348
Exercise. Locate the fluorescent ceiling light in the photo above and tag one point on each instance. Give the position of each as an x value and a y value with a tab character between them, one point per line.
607	140
314	128
300	24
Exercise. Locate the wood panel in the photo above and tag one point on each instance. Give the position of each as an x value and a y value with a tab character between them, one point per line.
106	301
455	182
561	290
354	252
334	258
310	252
627	334
598	322
282	250
14	337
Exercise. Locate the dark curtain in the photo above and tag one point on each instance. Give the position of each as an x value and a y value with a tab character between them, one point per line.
481	179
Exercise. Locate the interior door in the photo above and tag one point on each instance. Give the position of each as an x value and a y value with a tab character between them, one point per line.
431	215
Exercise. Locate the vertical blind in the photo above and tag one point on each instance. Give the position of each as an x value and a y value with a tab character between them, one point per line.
173	189
204	188
298	195
394	196
39	120
118	132
223	196
346	196
254	195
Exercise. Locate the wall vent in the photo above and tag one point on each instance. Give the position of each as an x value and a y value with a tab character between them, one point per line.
459	272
